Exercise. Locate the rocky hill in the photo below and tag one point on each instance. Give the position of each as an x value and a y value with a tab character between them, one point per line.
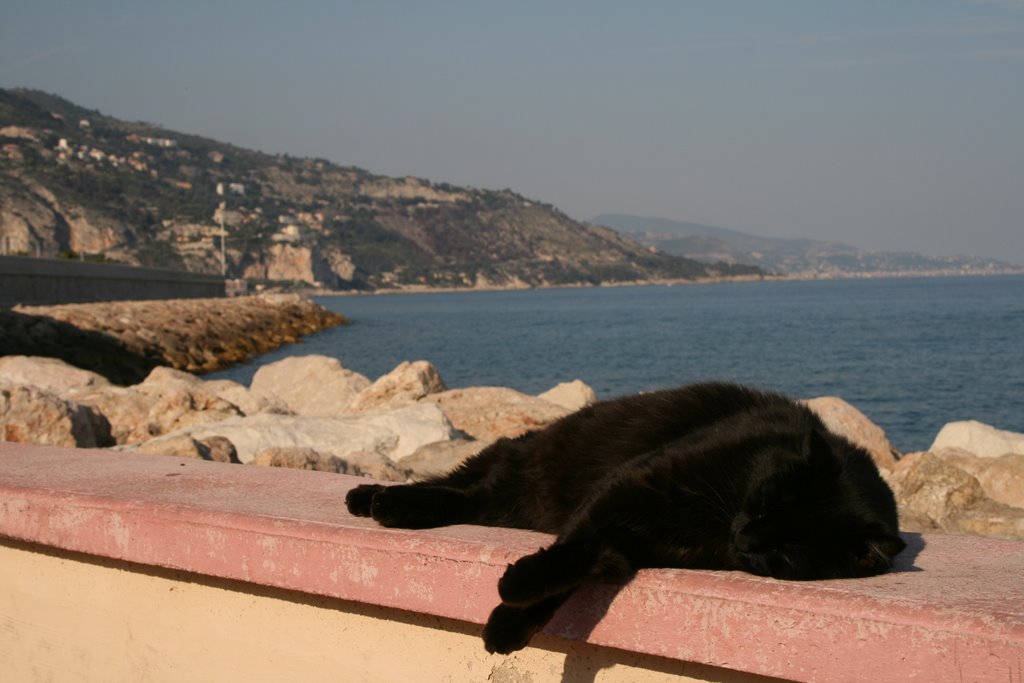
75	182
798	257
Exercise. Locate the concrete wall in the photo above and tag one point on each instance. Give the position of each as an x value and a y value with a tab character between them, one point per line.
82	618
25	280
122	566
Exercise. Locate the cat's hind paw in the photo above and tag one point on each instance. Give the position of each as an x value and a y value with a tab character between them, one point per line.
508	629
360	499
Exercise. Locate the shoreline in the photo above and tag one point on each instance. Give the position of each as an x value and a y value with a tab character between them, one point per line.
423	289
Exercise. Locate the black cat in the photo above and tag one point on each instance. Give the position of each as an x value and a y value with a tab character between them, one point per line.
709	476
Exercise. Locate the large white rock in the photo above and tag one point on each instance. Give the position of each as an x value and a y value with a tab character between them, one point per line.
395	433
489	413
50	374
980	439
310	385
406	383
572	395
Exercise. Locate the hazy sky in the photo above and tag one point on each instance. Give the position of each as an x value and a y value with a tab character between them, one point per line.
892	124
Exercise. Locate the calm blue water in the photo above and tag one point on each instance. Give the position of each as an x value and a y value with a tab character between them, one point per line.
912	354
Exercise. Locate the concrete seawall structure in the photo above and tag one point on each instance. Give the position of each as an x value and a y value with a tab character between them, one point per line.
116	566
25	280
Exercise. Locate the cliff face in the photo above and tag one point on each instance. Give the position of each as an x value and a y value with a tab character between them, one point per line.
74	180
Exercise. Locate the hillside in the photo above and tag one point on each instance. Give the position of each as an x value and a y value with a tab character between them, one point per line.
75	182
798	257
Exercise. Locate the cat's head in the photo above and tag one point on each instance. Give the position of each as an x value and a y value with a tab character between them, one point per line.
816	513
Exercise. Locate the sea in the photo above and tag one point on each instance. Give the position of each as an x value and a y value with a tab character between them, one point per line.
910	353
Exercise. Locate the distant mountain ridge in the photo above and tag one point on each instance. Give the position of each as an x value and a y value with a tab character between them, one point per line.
797	257
76	182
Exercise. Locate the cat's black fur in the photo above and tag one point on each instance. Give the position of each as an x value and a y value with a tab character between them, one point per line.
709	476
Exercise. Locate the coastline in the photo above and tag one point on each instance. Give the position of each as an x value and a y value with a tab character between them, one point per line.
671	282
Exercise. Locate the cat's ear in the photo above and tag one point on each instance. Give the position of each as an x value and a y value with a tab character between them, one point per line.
818	451
814	443
877	552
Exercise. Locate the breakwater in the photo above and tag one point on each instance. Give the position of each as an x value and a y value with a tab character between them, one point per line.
125	340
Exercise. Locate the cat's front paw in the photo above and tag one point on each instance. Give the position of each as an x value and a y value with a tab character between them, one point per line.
523	582
401	506
360	499
508	629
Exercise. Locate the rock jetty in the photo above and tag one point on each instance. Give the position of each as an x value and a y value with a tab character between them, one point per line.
408	424
125	340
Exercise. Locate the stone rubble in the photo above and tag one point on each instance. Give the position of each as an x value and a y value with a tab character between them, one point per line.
313	413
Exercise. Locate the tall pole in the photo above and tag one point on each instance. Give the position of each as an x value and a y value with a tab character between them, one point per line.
223	234
223	239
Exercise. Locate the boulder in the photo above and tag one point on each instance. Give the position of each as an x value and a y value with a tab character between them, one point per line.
490	413
246	401
300	458
50	374
912	520
163	375
980	439
1001	478
180	446
408	382
315	386
843	419
125	410
29	414
991	519
934	488
570	395
394	433
374	465
440	457
176	400
217	449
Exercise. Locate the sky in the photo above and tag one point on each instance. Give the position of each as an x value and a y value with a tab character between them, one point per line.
888	125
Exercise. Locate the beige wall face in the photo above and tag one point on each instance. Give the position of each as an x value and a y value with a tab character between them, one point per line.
68	617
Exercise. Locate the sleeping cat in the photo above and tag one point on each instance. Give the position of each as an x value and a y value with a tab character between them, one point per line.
708	476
